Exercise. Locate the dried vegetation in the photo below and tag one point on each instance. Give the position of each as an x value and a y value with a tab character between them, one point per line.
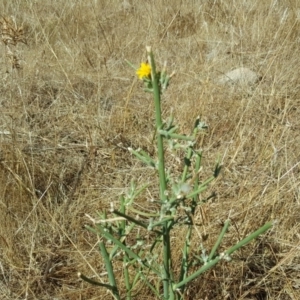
70	107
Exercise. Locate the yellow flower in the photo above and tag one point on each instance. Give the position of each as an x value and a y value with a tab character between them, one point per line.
144	71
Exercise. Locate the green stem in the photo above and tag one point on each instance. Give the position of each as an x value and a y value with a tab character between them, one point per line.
130	219
206	267
93	282
190	154
158	119
110	271
167	278
197	168
248	239
219	240
129	252
185	257
224	255
127	277
175	136
161	173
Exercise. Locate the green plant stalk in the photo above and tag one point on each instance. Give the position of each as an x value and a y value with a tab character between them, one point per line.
130	219
194	194
227	253
162	174
153	289
175	136
219	240
128	251
158	121
123	236
134	221
110	271
248	239
186	249
136	277
197	169
126	258
159	223
141	213
171	129
186	165
126	277
93	282
110	237
185	257
217	169
144	158
201	188
167	280
190	154
122	210
157	241
133	193
203	269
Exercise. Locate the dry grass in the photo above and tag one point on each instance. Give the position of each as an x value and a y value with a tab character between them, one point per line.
70	106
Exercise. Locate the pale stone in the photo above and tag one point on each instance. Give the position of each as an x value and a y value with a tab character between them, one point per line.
239	76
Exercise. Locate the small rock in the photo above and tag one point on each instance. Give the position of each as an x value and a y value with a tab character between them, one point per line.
240	76
126	6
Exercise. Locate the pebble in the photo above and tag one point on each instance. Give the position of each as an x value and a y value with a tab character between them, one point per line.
240	76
